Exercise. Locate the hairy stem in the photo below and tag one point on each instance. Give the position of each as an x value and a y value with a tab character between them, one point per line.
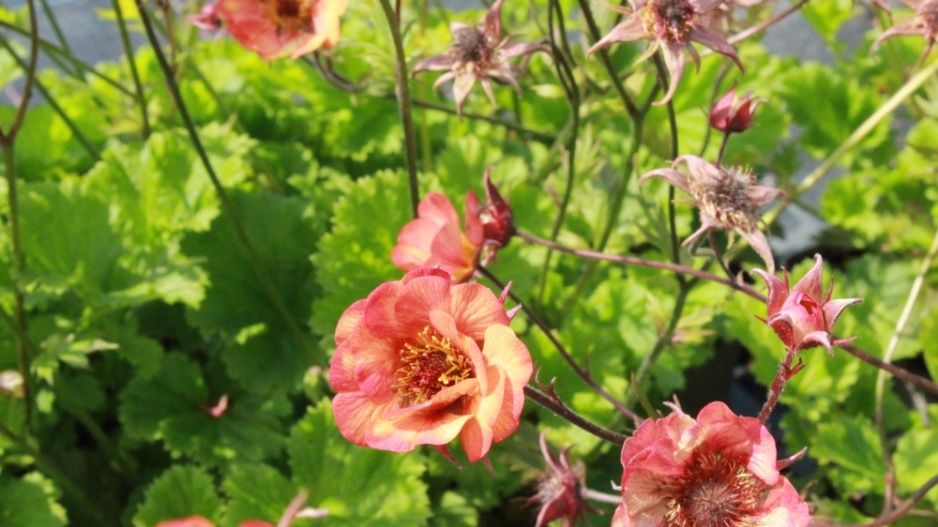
554	404
785	373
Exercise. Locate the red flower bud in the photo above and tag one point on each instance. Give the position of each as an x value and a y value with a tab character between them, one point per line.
732	113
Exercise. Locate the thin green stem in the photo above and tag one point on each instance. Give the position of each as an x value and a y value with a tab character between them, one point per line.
129	51
630	107
541	137
19	264
59	35
56	53
228	206
80	137
858	135
904	317
663	342
402	88
583	373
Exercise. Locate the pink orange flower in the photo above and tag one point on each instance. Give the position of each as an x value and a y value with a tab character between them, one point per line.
728	198
434	239
734	114
276	28
924	22
200	521
422	361
718	470
671	25
804	317
479	53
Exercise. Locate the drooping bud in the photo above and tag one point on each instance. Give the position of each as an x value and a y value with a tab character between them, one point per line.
489	225
732	113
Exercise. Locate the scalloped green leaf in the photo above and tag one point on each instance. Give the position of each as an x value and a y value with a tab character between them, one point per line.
355	257
360	486
174	406
256	492
29	502
179	492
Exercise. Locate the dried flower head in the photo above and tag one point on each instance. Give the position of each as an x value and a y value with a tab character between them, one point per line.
560	492
728	198
479	53
719	470
924	22
672	25
276	28
804	317
422	361
734	114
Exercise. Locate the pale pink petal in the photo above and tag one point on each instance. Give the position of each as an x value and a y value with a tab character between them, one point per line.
512	402
504	348
417	299
416	428
492	23
778	291
342	370
461	89
761	196
817	338
785	506
477	436
811	284
379	309
474	228
453	252
474	308
834	308
759	244
674	60
716	42
435	63
700	168
672	176
516	49
630	30
621	517
355	413
905	28
349	319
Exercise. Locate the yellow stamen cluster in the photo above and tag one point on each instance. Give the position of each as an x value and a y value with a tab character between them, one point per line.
290	15
715	492
431	363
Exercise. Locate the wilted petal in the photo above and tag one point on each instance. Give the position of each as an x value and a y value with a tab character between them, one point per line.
716	42
760	244
672	176
434	63
517	49
629	30
674	60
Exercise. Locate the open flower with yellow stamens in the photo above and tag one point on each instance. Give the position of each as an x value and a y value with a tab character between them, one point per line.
276	28
479	53
671	25
727	197
718	470
422	361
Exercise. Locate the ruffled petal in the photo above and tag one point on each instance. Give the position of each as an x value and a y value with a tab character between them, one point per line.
355	413
474	307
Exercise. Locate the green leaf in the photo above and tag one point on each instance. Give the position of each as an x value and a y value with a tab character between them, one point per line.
174	406
360	486
918	445
828	17
365	226
179	492
853	445
257	492
29	502
237	298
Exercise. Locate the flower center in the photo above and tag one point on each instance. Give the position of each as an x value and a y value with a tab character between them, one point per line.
673	19
290	16
715	492
726	199
469	45
431	363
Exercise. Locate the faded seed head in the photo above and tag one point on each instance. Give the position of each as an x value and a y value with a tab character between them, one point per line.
927	16
726	200
715	491
431	363
469	45
671	19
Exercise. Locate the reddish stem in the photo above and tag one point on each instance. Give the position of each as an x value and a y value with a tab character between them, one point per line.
785	373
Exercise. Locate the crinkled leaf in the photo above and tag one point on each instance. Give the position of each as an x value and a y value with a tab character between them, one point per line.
852	444
914	448
360	486
179	492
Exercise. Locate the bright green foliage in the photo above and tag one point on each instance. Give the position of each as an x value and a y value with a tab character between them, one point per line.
359	486
30	502
257	492
179	492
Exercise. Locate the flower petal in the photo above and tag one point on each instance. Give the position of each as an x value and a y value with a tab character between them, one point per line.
674	60
811	284
716	42
474	308
629	30
355	413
